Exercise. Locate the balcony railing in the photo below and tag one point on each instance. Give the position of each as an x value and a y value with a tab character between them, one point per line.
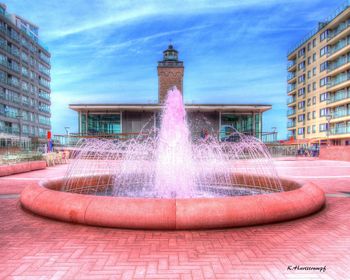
340	130
341	113
338	96
291	63
291	87
291	99
290	75
338	63
341	27
291	112
341	78
291	124
338	46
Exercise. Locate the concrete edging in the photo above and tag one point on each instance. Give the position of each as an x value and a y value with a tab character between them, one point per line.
21	167
172	214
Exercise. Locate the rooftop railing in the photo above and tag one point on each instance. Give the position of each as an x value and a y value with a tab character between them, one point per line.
337	12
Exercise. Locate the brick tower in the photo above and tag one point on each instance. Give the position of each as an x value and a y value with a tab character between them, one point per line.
170	73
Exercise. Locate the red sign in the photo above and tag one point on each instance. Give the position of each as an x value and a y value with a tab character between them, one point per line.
49	135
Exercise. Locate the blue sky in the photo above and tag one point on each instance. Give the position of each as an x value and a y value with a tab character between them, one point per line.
234	51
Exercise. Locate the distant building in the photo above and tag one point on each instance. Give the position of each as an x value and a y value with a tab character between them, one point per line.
24	80
319	83
106	119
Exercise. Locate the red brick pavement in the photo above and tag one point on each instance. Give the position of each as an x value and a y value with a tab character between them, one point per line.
32	247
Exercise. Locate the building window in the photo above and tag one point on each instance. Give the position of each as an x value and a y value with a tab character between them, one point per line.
314	86
308	130
314	128
314	71
300	131
324	35
314	115
308	101
230	121
314	57
309	46
323	82
324	51
301	52
324	112
314	100
314	42
323	127
301	118
301	91
324	96
309	116
301	65
301	79
301	104
309	60
308	88
324	66
308	74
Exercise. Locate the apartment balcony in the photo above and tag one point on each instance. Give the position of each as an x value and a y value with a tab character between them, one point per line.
340	130
338	82
339	98
291	124
343	114
291	88
291	65
291	100
340	48
291	112
340	65
291	77
340	32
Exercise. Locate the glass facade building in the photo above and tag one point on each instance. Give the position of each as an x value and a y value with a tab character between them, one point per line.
24	79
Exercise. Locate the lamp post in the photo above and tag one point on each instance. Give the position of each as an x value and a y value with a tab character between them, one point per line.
328	118
19	117
67	128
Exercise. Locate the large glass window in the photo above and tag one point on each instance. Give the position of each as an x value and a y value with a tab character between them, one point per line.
231	122
103	124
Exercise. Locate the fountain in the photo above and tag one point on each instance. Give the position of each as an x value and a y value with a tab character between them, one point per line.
164	179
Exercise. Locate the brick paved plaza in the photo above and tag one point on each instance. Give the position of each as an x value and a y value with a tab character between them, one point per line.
32	247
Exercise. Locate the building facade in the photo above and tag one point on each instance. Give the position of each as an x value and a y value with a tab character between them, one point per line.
220	119
24	80
319	83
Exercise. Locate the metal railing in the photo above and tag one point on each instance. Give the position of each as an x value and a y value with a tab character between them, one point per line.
341	78
338	63
338	96
340	130
291	124
291	99
340	28
341	114
337	12
291	112
291	87
338	46
291	63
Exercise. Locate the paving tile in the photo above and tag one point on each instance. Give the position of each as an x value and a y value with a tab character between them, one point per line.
32	247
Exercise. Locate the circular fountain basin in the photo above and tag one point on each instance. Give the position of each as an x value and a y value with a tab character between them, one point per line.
46	199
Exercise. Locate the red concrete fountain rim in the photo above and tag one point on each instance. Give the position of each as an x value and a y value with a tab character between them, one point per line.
172	214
